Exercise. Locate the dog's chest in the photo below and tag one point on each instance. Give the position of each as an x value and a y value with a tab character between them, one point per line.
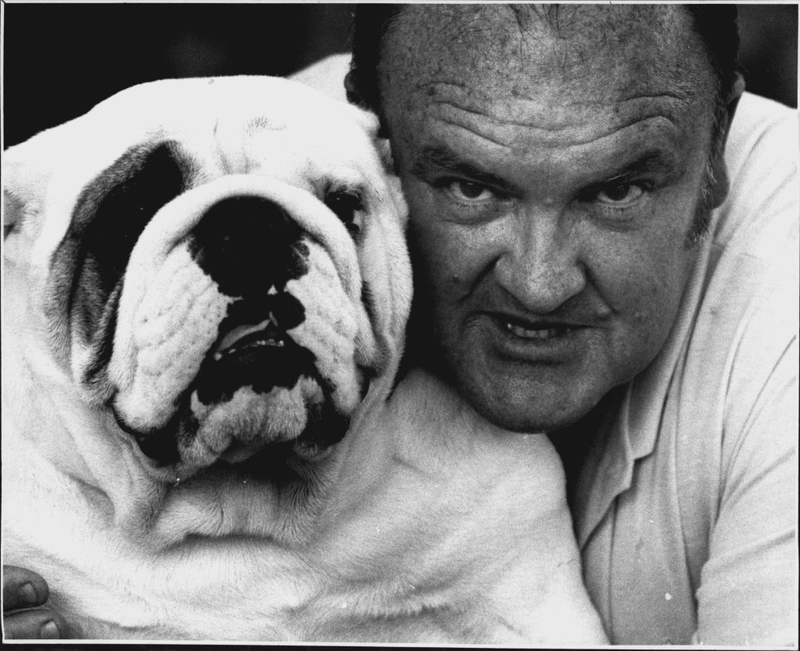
257	596
233	593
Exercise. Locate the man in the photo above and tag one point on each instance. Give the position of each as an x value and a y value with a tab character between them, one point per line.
561	167
580	272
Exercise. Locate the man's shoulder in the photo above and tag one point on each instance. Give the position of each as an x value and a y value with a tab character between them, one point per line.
756	114
760	215
728	351
746	314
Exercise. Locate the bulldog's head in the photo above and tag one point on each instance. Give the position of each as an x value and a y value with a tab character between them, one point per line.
219	264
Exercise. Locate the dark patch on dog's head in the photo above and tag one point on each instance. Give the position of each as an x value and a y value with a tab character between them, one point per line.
94	374
368	301
248	245
109	216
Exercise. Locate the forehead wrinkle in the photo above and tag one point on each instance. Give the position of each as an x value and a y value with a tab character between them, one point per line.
505	132
645	155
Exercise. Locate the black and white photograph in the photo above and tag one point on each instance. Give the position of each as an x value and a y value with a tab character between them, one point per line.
443	324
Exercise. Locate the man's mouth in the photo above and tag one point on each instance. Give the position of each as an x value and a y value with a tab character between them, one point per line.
542	331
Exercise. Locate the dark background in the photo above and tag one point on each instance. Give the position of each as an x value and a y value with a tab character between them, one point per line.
61	59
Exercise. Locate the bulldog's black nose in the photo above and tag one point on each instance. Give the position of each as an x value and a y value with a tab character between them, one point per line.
248	245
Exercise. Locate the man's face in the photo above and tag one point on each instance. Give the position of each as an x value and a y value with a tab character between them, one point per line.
552	179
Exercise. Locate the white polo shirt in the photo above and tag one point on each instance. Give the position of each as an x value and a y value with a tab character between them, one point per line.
686	507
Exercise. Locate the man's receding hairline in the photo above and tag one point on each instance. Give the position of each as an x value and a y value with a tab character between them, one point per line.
690	76
562	21
714	25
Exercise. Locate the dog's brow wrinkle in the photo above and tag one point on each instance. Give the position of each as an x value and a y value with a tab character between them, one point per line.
406	463
100	500
261	122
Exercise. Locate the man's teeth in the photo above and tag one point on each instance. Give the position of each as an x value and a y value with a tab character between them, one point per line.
537	333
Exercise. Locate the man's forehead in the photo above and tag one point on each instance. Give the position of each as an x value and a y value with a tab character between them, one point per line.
520	49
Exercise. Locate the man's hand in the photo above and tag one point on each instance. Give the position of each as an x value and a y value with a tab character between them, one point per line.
25	617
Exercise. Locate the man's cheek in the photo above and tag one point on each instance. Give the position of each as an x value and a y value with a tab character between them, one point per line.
648	308
438	251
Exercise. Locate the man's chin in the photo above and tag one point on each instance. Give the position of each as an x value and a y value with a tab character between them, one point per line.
523	420
527	406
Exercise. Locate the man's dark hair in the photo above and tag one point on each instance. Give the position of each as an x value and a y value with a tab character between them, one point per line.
717	26
370	23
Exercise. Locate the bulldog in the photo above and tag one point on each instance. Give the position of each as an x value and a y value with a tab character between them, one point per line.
205	295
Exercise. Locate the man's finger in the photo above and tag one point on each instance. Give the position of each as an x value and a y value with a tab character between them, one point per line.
22	588
35	624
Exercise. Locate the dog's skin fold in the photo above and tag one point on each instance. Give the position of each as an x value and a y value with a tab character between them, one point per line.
206	288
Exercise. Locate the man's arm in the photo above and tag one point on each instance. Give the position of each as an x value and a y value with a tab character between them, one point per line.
748	590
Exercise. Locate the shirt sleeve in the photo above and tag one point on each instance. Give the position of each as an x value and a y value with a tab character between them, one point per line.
748	588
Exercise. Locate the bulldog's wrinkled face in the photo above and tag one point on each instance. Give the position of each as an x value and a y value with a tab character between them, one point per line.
226	281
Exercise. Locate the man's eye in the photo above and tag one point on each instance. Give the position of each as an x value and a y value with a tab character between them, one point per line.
620	195
468	191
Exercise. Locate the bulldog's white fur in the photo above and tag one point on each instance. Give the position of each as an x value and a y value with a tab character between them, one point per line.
423	524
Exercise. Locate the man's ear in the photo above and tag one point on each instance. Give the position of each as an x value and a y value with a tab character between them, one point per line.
353	96
719	170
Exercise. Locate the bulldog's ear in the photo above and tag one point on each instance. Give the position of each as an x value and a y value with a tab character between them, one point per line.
371	124
26	175
13	209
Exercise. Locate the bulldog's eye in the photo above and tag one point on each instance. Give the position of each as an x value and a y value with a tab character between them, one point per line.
347	206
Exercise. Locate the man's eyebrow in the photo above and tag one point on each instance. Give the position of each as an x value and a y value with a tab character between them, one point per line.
653	161
439	158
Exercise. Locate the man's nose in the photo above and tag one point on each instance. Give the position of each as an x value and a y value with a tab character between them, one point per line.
540	265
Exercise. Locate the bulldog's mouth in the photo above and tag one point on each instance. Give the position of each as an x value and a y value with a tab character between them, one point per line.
256	390
255	350
248	337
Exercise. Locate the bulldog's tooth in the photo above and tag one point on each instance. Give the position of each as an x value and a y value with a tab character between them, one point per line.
237	334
